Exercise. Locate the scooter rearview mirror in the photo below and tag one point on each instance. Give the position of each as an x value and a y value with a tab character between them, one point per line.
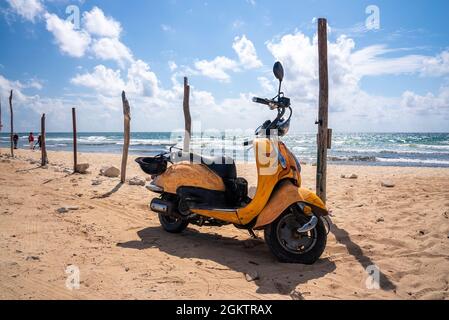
278	71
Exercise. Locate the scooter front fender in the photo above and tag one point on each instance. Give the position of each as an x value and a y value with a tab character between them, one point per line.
283	197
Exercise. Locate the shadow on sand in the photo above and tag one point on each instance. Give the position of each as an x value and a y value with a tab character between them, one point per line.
109	193
29	169
239	255
343	237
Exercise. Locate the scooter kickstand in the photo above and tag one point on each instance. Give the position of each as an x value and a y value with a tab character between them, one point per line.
252	234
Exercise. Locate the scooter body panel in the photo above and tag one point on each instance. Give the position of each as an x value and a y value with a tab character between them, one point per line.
270	171
283	197
186	174
230	216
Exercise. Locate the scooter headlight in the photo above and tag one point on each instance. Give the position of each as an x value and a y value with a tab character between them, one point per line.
283	127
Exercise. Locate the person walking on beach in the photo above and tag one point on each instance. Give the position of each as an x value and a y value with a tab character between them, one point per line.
15	140
39	142
31	140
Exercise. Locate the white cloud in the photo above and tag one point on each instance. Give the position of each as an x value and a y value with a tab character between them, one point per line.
202	98
172	66
347	67
246	52
427	104
141	81
102	79
370	61
28	9
436	66
77	42
108	46
7	85
217	68
266	85
96	23
112	49
69	40
35	84
92	111
298	54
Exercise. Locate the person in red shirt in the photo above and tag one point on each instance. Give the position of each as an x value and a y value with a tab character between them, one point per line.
31	140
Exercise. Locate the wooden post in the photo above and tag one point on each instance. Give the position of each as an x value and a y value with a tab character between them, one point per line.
12	124
1	125
75	151
126	136
323	111
44	159
329	138
187	118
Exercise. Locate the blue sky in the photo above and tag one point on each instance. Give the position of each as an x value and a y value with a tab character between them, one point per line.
391	78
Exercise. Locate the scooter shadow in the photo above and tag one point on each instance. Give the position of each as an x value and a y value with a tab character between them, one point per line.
244	256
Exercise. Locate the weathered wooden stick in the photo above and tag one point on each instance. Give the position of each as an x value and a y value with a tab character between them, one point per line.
12	124
187	118
323	110
126	136
75	151
1	125
329	138
44	159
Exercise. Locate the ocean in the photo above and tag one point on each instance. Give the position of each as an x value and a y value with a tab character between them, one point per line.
391	149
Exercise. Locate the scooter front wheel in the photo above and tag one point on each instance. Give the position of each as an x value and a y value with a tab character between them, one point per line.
290	246
172	225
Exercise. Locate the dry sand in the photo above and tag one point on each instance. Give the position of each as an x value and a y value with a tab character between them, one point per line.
122	252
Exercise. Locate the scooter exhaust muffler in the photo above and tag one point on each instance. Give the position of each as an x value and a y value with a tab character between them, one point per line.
161	206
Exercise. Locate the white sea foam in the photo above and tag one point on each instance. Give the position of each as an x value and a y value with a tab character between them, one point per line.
395	151
417	161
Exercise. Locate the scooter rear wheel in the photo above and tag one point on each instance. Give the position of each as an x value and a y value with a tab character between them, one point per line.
172	225
290	246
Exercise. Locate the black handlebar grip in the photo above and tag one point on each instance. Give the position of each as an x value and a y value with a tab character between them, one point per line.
260	100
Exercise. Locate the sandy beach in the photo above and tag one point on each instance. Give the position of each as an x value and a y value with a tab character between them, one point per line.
122	252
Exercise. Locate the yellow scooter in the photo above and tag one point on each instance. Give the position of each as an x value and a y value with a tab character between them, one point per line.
207	191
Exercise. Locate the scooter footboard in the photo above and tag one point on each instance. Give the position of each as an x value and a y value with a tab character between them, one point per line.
283	197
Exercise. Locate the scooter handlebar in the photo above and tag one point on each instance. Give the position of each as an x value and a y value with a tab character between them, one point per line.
271	103
261	100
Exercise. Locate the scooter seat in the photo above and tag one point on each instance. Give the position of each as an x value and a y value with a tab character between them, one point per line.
221	165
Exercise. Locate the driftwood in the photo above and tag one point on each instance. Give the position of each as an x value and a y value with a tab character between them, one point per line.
187	117
44	159
75	147
12	124
323	142
126	136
